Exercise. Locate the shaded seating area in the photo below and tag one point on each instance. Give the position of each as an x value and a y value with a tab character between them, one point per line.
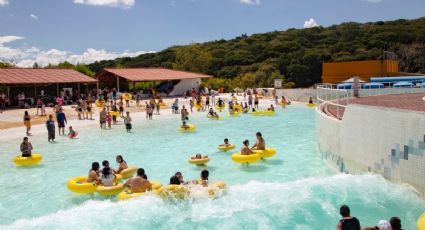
172	82
19	86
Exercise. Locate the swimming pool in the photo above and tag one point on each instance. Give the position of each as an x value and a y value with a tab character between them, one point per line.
294	190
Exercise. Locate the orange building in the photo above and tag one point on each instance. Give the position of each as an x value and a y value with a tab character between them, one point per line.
337	72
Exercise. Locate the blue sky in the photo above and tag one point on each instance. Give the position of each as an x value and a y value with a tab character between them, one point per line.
88	30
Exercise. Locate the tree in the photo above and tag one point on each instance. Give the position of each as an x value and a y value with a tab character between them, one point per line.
192	58
35	65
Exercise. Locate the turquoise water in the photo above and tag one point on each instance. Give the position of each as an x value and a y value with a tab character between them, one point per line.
294	190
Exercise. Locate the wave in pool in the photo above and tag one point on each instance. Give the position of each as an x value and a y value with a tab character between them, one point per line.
311	203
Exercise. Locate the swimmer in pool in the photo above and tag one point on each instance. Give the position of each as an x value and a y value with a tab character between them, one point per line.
204	178
72	133
139	183
271	108
179	175
211	112
26	147
215	115
260	144
121	164
94	173
245	150
174	180
199	156
226	143
310	101
184	125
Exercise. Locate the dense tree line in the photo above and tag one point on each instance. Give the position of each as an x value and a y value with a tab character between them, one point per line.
294	55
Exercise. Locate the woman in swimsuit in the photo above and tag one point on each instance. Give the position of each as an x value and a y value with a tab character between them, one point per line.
27	122
121	164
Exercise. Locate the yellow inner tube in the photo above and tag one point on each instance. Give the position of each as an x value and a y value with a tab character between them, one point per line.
100	103
311	105
114	113
191	128
226	148
110	191
79	185
220	108
237	108
173	191
421	222
128	172
198	106
268	152
127	96
265	112
201	161
235	114
212	188
26	161
127	194
239	158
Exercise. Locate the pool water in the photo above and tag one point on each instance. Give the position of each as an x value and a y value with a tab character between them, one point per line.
293	190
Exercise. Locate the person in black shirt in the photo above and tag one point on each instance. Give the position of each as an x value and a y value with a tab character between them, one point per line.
347	222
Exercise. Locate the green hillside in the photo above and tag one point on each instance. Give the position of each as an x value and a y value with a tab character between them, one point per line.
294	55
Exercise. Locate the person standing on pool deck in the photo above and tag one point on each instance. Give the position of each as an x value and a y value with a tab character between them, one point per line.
256	101
127	122
260	144
61	119
50	125
102	118
250	101
26	147
27	122
347	222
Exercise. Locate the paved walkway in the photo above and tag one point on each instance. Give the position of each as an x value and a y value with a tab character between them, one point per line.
413	102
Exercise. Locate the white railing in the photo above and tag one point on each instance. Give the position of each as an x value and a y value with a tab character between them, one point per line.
328	94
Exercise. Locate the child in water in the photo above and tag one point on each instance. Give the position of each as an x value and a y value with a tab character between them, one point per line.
72	133
226	143
109	120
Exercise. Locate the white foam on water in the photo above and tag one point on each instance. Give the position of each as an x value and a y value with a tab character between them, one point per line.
311	203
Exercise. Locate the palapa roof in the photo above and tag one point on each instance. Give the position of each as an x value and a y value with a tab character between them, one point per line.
21	76
147	74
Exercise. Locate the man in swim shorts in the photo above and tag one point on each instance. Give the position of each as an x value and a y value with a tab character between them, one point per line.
61	119
50	125
260	144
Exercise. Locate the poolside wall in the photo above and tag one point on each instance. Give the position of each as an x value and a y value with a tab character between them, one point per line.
301	94
389	142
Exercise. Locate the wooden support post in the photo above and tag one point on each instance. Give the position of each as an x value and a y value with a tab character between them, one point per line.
118	83
57	89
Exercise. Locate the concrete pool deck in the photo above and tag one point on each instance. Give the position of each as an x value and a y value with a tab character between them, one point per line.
411	102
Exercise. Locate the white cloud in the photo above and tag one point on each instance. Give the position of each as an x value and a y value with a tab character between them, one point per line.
33	16
4	2
310	23
55	57
251	2
373	1
7	39
110	3
26	56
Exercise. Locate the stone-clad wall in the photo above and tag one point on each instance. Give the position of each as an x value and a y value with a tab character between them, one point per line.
386	141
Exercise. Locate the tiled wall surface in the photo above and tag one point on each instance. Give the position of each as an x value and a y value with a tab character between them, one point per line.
371	139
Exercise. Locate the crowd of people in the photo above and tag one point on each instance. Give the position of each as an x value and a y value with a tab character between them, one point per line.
106	177
349	222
